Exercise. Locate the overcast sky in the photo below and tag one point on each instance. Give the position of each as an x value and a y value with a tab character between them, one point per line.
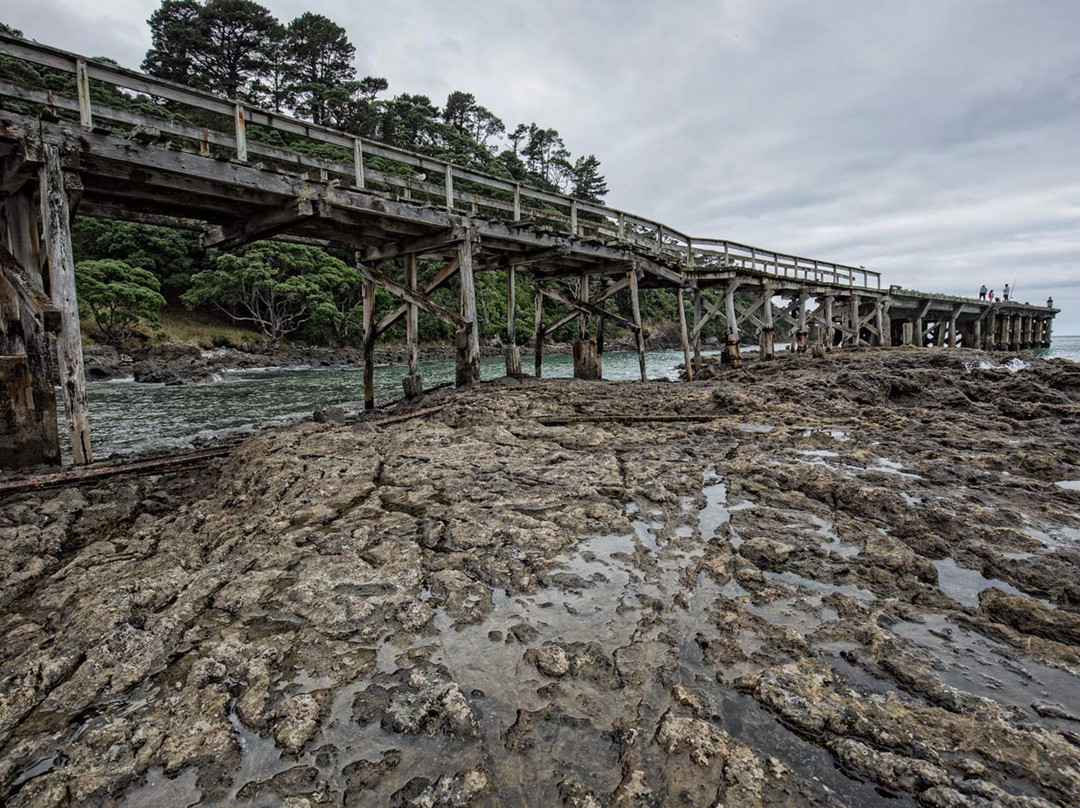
937	142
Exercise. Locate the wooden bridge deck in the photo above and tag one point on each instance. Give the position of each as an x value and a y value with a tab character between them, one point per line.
205	163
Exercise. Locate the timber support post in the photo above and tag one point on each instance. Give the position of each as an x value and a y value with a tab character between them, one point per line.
368	291
684	337
768	332
56	223
697	330
538	351
513	352
800	323
830	334
586	354
468	338
413	385
639	332
731	344
21	220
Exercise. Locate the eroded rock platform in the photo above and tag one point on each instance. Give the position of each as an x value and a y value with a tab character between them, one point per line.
857	584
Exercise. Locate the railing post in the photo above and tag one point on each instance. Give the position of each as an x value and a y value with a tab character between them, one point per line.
358	161
689	256
517	201
82	79
622	226
449	188
241	135
573	218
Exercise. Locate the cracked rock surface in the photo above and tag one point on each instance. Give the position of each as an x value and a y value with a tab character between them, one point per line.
857	582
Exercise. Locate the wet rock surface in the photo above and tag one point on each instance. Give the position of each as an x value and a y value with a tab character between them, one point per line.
856	585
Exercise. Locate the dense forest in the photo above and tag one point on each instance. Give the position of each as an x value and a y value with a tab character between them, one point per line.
127	273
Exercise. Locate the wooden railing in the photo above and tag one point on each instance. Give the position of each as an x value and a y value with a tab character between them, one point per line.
236	128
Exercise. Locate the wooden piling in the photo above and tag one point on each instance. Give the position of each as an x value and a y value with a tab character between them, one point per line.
538	351
368	291
513	352
639	332
684	336
697	330
800	327
21	221
56	218
830	334
412	384
768	333
468	364
731	347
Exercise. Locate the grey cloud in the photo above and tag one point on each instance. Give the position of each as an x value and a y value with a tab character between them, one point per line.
934	140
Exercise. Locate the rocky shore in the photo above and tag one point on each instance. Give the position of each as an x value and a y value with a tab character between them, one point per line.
176	363
853	581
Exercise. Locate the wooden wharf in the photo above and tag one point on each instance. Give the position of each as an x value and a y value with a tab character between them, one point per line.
201	162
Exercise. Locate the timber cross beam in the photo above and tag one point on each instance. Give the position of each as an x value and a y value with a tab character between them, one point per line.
608	291
417	246
260	226
414	297
584	307
445	272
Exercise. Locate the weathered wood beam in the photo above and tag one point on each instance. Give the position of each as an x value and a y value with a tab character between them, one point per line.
538	339
416	298
16	170
441	276
368	290
56	221
608	291
684	336
417	246
639	332
468	337
583	307
264	225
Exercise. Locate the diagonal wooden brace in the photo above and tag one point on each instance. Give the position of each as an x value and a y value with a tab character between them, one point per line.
416	298
582	306
604	295
445	273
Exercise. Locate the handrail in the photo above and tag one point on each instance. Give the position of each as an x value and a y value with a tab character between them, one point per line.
522	202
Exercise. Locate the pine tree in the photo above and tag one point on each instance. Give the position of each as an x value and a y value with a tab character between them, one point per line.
587	182
323	58
175	32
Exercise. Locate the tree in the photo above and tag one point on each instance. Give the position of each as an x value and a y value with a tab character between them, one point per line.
587	181
225	46
410	121
353	107
175	33
547	158
322	57
118	295
470	119
278	287
172	255
278	86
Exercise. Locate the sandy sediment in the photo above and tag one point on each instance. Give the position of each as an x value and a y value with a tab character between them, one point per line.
858	584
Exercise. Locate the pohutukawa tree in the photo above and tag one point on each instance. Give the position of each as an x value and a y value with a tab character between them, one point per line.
277	287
